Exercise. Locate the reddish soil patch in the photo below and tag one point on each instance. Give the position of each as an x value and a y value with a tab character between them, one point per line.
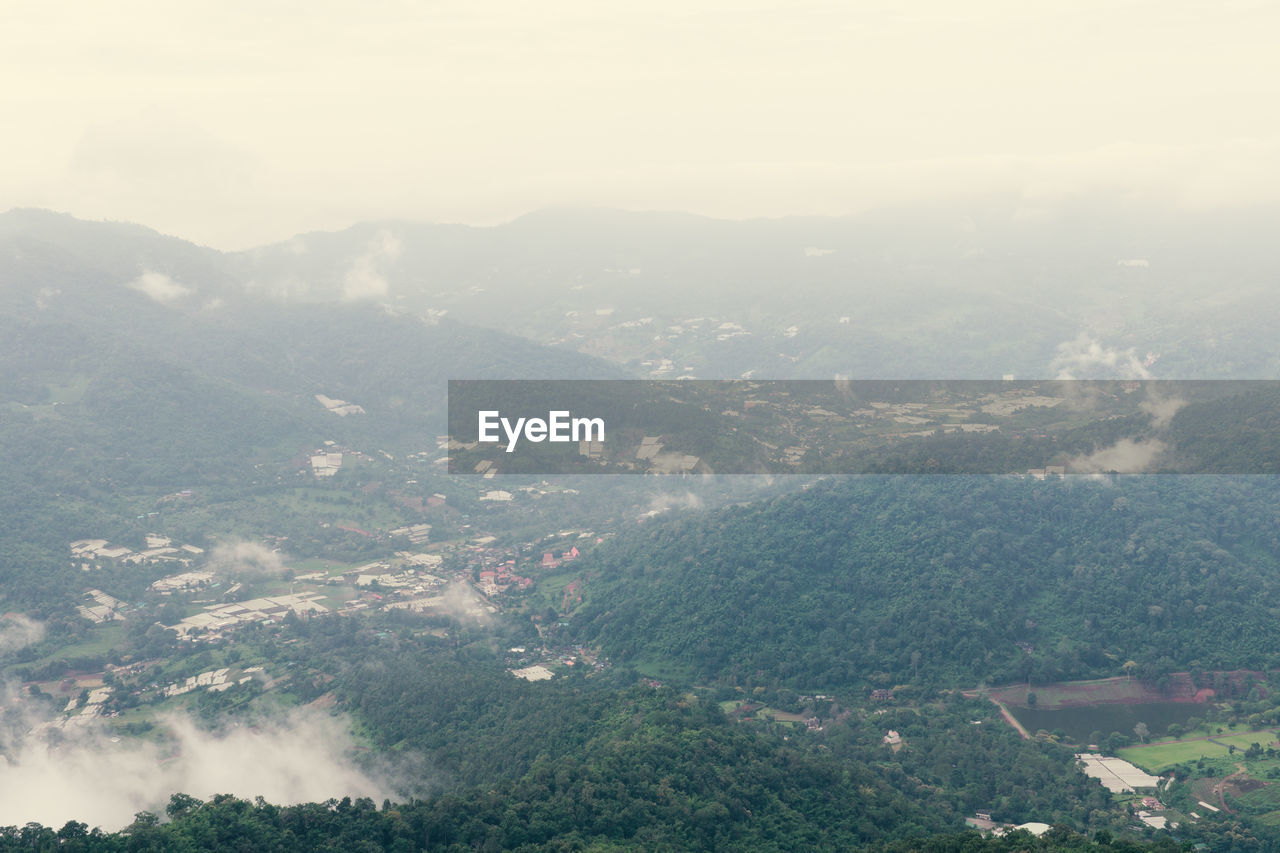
572	595
1009	718
1077	694
327	700
413	503
1120	690
1244	786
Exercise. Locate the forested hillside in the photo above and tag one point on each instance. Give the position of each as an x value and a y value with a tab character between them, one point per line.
950	581
604	763
707	674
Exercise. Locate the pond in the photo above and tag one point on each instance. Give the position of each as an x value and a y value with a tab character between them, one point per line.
1080	722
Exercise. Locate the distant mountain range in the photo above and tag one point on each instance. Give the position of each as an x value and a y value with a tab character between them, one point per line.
124	336
120	342
966	291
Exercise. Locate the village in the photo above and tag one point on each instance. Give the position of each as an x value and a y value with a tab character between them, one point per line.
411	580
470	579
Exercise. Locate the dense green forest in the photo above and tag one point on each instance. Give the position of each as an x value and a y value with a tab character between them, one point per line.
597	763
950	581
462	826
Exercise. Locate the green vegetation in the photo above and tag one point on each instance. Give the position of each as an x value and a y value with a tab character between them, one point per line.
487	822
1160	757
948	581
1165	753
120	416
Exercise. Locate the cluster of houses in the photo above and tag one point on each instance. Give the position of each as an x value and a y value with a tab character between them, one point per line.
100	607
341	408
90	553
418	534
70	719
536	666
219	618
502	578
326	464
412	580
183	582
982	822
327	460
214	681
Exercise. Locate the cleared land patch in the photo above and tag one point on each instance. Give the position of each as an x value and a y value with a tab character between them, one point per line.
1117	690
1073	694
744	711
1162	755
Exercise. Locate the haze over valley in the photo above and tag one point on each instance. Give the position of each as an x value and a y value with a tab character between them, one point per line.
267	584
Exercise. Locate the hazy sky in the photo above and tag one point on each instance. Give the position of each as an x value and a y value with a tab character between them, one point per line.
235	123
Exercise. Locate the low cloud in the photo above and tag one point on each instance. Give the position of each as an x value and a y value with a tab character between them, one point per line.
1126	456
1161	409
1085	357
244	560
45	296
306	756
666	502
364	278
18	632
160	287
461	602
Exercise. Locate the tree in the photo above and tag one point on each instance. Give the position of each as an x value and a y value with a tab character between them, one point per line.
181	804
1141	731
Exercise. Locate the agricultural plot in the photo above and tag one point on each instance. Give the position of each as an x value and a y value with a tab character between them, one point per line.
1116	775
1262	800
1162	755
1159	757
1049	697
1243	741
746	711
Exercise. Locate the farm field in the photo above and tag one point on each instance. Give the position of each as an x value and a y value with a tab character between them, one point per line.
1081	723
1263	801
1263	738
1159	757
1162	755
100	640
735	708
1118	690
1052	697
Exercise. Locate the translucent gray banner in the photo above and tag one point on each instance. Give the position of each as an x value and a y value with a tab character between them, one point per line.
1036	428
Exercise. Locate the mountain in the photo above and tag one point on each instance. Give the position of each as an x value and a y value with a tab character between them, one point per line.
948	581
1091	288
975	290
120	342
133	365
